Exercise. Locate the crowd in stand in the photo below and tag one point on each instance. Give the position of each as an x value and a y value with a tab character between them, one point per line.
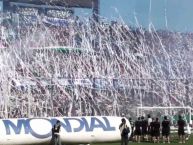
115	45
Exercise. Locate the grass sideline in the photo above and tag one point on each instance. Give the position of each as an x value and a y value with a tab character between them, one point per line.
173	142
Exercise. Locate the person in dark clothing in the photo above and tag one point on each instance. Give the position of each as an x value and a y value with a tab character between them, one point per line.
124	130
52	139
138	130
56	132
144	125
181	133
166	129
152	129
132	129
156	131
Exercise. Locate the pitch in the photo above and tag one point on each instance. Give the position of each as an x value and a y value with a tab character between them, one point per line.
174	141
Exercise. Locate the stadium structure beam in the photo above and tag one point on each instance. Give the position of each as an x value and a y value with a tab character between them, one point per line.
170	107
96	4
90	4
66	3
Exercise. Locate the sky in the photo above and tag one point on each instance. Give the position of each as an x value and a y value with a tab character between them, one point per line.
173	15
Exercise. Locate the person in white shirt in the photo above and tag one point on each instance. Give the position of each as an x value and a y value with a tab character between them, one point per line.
149	120
188	131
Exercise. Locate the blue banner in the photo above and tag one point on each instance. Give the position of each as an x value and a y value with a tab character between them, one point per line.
55	21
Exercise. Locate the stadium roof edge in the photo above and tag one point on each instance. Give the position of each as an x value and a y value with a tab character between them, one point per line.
67	3
169	107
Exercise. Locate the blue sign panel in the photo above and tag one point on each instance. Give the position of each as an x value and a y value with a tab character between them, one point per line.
89	126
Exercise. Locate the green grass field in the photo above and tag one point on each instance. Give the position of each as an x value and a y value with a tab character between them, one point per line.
174	141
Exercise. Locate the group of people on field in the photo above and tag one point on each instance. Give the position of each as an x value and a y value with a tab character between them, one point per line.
151	129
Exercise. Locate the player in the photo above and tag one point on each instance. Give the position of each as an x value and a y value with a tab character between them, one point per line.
181	133
166	129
